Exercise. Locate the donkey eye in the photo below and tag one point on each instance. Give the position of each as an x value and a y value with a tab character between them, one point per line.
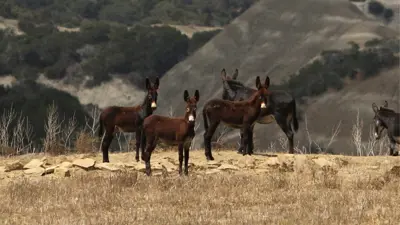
187	109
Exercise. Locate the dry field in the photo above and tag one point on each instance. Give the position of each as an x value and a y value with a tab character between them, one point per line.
234	189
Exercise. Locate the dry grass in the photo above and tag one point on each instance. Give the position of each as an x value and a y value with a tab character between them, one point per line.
319	196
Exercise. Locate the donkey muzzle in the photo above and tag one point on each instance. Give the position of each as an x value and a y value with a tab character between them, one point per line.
376	135
263	106
191	118
153	105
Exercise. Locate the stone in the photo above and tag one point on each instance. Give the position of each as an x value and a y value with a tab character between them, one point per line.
35	171
300	162
85	163
321	162
66	165
34	163
228	167
49	170
15	165
212	171
170	166
62	172
246	162
270	162
108	166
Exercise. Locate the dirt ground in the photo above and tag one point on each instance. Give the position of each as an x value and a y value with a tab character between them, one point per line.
233	189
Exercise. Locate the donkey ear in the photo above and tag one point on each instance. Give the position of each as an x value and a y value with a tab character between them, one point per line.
148	85
223	74
186	96
386	104
374	107
197	95
157	83
258	82
235	75
267	82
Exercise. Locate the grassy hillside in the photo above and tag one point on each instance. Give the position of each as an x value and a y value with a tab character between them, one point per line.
261	43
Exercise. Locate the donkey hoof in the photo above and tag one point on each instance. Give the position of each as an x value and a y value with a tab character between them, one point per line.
106	161
210	158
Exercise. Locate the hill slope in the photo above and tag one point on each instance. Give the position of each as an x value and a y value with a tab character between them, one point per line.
270	38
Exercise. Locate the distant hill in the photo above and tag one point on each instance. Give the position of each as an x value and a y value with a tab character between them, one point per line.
271	38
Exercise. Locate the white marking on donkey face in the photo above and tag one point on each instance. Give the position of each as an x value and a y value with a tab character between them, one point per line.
191	118
375	135
153	105
263	106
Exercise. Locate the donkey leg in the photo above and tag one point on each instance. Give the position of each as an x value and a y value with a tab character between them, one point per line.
251	141
207	139
241	146
180	151
138	135
246	135
186	147
393	151
150	146
289	133
105	145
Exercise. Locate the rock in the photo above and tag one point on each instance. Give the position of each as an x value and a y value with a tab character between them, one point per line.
85	163
109	166
15	165
228	167
170	166
34	163
212	171
2	169
246	162
66	165
300	162
321	162
62	172
141	167
270	162
35	171
49	170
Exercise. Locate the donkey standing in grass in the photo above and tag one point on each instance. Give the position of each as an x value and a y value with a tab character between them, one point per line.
236	114
281	107
128	119
173	131
388	119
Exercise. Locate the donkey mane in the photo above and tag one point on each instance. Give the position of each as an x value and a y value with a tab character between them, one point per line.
387	110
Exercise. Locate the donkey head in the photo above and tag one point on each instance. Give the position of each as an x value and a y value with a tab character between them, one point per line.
226	77
152	93
191	105
378	124
262	91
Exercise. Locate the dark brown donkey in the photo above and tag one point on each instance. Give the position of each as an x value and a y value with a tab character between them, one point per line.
127	119
281	107
173	131
236	114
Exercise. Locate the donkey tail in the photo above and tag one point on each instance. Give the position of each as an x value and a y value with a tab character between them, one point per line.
100	128
205	119
295	123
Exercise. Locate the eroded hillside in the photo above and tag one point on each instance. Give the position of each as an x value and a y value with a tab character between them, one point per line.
271	39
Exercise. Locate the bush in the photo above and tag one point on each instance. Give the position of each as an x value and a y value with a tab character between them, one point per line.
376	8
200	38
388	14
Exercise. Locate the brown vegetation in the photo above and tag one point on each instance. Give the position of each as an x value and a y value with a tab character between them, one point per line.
265	190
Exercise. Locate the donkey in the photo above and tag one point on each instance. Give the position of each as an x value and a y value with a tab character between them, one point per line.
236	114
282	107
388	119
173	131
128	119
